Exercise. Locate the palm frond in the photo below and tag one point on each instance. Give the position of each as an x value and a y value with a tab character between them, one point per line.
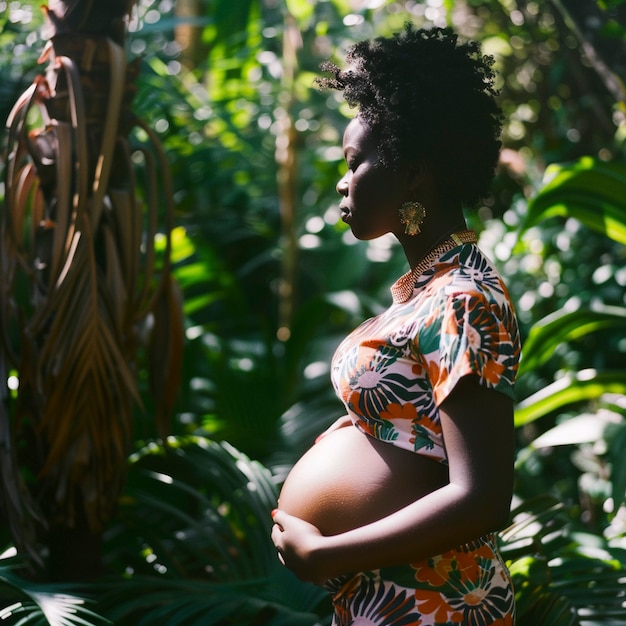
22	603
211	505
207	549
146	601
561	576
82	284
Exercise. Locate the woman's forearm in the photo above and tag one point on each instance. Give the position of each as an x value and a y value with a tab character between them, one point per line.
478	429
440	521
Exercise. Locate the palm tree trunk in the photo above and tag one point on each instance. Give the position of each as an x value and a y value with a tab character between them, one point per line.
287	177
193	50
78	241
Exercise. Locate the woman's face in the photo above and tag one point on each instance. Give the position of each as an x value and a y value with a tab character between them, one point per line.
372	192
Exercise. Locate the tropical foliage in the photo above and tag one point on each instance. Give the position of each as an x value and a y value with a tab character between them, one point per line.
271	281
81	285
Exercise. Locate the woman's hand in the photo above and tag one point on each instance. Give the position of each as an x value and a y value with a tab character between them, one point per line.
299	546
477	424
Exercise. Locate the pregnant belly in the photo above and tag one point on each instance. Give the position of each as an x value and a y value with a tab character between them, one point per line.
349	479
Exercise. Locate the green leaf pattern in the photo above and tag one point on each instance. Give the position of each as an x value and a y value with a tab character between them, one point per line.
395	369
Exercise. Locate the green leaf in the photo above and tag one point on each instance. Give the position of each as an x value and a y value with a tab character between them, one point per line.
149	600
301	10
207	555
590	190
43	604
563	326
578	387
580	429
616	434
561	576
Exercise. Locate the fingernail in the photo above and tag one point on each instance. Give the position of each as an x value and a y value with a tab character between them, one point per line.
274	513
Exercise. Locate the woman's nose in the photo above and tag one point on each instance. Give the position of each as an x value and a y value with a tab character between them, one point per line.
342	185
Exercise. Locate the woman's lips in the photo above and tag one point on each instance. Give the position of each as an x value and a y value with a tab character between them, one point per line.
345	213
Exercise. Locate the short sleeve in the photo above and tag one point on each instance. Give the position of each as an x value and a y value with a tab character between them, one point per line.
477	336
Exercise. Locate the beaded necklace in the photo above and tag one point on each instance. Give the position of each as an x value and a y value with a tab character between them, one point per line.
402	289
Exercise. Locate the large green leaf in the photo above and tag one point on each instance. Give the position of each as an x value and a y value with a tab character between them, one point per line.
572	388
584	428
589	190
616	436
562	326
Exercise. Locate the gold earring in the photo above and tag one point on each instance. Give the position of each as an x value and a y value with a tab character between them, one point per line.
412	214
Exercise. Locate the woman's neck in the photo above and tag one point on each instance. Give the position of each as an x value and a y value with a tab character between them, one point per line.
418	246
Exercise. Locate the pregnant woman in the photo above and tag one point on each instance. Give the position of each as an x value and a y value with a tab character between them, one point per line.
395	506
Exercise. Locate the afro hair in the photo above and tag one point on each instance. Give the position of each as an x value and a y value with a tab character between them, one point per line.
429	98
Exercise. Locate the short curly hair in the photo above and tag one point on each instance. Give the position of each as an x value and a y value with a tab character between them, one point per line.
429	98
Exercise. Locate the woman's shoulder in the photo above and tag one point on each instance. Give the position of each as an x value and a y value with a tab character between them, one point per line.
468	270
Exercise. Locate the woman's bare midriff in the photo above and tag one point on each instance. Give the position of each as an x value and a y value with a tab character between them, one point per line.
349	479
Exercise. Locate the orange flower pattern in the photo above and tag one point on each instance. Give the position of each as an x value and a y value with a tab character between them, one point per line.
392	373
394	370
469	586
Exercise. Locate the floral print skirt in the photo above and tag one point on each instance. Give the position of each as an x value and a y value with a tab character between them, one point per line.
469	585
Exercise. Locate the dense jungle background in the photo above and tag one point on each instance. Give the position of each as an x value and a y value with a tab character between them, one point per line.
175	277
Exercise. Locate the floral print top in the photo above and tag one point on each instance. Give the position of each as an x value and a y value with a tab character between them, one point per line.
395	369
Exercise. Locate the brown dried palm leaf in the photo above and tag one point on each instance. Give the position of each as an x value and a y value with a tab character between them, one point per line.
81	282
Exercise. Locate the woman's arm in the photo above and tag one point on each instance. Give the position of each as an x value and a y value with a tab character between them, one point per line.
478	432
